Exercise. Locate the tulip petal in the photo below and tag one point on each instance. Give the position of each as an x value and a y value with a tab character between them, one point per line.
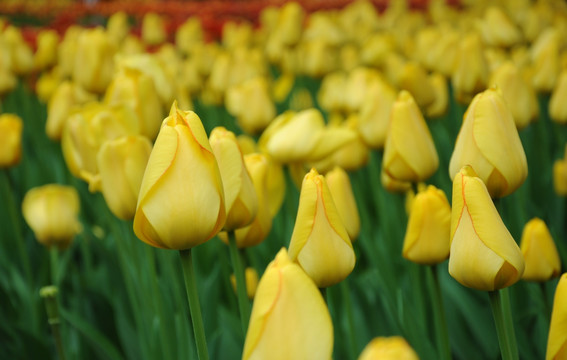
557	339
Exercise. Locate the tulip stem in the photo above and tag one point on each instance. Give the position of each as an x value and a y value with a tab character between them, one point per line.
443	345
194	307
500	303
243	303
350	318
49	295
54	257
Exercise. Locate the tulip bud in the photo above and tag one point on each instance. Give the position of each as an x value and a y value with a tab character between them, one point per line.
374	118
121	163
484	256
153	29
189	34
557	104
414	79
240	196
253	234
11	127
251	104
51	211
46	54
354	154
251	278
331	93
388	348
545	59
489	142
429	226
181	200
560	177
289	319
320	243
540	253
441	93
94	60
557	339
497	29
47	83
341	191
471	70
290	24
117	27
67	50
21	60
518	94
409	154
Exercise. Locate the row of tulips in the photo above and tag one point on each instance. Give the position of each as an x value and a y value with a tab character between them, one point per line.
107	92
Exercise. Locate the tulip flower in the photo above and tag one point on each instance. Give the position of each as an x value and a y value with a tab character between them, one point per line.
251	276
557	339
47	83
189	34
388	348
471	70
331	93
545	59
117	27
240	196
427	236
94	60
497	29
275	186
518	94
289	319
489	142
251	104
254	233
153	29
181	200
540	253
341	191
46	54
359	83
374	118
560	177
557	106
21	55
409	153
484	256
441	93
51	211
414	79
11	127
121	164
67	50
320	243
393	185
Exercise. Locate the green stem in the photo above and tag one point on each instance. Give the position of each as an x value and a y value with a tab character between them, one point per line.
243	302
350	318
194	307
544	299
443	345
500	303
49	295
54	257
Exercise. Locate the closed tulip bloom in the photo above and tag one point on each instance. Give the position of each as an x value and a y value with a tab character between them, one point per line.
545	59
117	27
484	256
517	92
497	29
240	196
11	127
374	116
289	319
181	200
331	93
153	29
489	142
540	253
275	186
320	243
470	75
289	27
21	59
94	60
388	348
409	154
354	154
251	104
47	83
414	79
341	191
440	104
46	54
557	339
67	50
557	104
393	185
428	232
189	34
51	211
254	233
251	278
121	163
560	177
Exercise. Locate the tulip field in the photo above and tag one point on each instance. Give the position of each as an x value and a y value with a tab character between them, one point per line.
283	180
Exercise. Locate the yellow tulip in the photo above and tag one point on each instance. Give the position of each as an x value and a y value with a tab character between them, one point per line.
153	29
428	232
47	83
320	243
189	34
289	319
240	197
374	118
471	70
247	144
289	26
557	105
46	54
87	129
282	86
253	234
121	164
341	191
251	104
117	27
489	142
409	153
497	29
11	127
275	186
51	211
545	59
359	83
484	256
67	50
318	58
354	154
65	98
518	94
393	185
181	200
560	177
94	60
440	89
557	339
414	79
21	59
388	348
540	253
251	276
235	35
331	95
